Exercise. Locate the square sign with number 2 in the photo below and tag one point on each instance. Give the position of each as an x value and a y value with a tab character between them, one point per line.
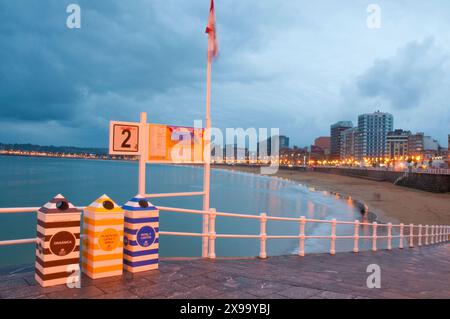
125	138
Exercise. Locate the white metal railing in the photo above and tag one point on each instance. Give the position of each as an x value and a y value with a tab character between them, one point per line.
424	234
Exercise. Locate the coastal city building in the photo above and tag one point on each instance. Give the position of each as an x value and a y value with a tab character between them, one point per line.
217	153
448	151
269	146
320	150
335	133
324	142
397	144
424	146
234	154
415	144
293	156
373	129
348	143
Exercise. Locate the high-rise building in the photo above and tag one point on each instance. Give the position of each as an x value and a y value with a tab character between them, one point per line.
372	133
348	143
397	144
284	141
335	131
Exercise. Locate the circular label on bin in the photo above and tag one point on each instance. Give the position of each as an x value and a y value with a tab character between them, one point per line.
109	239
145	236
62	243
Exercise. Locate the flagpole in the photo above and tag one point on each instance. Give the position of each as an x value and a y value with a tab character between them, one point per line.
207	159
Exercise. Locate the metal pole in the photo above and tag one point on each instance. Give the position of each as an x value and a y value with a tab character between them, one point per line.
207	157
301	248
420	236
400	244
389	244
333	237
262	236
143	156
411	235
374	236
432	235
356	237
212	233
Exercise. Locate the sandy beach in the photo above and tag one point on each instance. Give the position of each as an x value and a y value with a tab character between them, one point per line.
389	202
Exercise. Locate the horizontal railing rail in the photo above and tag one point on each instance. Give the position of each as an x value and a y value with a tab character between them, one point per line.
424	234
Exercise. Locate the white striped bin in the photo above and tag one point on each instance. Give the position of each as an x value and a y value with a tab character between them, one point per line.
58	243
141	235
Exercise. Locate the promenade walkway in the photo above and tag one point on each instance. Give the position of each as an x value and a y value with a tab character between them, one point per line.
421	272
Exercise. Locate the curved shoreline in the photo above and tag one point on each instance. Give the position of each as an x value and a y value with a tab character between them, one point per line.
388	202
371	216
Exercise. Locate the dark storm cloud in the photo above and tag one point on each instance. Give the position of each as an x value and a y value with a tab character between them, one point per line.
406	79
49	71
281	64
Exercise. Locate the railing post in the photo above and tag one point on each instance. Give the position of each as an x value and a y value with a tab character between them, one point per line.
205	237
427	235
212	233
432	235
301	246
333	237
436	234
448	233
262	236
445	233
356	237
389	243
411	235
400	245
374	236
439	234
419	243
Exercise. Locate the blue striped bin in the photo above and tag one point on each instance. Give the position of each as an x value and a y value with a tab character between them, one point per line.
141	235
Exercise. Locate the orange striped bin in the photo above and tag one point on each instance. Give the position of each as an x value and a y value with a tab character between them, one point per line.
102	241
141	242
58	243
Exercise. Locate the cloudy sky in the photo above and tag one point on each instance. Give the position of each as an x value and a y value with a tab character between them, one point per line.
296	65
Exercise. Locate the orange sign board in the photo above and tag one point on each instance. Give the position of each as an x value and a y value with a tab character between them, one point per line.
124	138
175	144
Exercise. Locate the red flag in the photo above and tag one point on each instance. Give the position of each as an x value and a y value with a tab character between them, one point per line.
211	30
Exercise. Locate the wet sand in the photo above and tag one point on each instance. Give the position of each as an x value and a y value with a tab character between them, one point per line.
389	202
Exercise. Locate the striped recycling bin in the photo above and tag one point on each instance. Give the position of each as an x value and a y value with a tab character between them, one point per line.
141	240
103	239
58	243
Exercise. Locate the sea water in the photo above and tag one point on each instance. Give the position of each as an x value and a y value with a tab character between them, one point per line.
32	181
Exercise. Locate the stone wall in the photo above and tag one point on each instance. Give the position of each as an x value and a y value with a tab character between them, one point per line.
427	182
382	176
